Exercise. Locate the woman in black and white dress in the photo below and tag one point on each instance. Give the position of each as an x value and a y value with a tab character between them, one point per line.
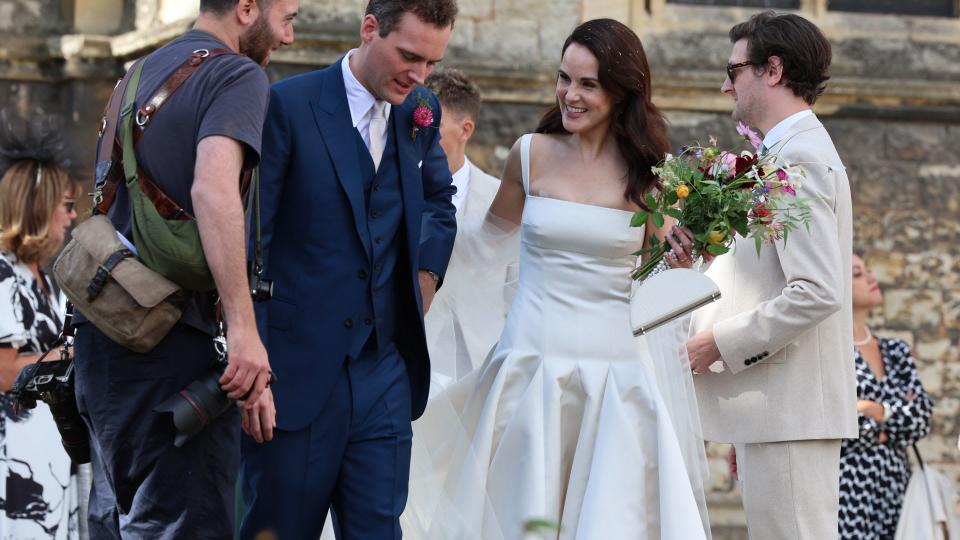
38	489
894	411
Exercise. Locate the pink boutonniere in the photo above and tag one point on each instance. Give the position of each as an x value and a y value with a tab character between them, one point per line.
422	116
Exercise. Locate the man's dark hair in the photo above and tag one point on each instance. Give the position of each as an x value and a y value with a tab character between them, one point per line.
222	6
456	92
439	13
800	45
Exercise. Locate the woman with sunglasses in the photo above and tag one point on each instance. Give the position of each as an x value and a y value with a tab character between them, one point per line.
37	480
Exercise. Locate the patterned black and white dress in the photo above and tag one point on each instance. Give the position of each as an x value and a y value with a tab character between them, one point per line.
38	491
874	475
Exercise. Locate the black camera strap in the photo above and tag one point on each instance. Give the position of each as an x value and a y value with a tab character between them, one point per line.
257	244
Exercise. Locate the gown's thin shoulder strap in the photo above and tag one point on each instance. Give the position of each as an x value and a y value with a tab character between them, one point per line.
525	161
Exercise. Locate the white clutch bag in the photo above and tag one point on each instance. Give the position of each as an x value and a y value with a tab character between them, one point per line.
669	295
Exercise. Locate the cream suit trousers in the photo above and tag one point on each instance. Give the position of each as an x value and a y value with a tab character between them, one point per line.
791	489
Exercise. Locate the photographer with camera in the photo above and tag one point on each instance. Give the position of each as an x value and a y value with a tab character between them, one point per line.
190	121
37	481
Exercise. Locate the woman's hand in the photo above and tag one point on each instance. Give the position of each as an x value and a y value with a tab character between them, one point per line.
870	408
681	240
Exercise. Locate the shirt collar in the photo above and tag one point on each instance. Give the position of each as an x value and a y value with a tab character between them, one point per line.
461	179
777	132
359	99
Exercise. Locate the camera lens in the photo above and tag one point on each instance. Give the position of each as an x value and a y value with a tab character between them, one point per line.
196	406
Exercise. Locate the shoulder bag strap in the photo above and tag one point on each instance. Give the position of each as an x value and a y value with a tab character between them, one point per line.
108	146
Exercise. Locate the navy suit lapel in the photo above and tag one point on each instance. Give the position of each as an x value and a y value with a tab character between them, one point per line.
410	184
332	114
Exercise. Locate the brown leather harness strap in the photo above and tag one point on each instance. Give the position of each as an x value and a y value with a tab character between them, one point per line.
170	86
166	207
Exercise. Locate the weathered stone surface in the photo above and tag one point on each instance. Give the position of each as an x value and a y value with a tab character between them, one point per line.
914	308
887	266
32	16
951	309
883	183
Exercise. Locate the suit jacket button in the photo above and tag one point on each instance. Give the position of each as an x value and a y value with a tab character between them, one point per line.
362	274
368	321
375	214
348	322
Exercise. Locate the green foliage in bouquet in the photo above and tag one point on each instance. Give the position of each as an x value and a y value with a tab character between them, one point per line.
719	194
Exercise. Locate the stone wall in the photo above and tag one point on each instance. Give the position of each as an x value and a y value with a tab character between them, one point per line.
893	110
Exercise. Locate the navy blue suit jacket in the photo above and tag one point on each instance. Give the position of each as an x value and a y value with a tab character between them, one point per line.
312	211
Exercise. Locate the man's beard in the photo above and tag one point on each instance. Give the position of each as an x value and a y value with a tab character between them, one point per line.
257	41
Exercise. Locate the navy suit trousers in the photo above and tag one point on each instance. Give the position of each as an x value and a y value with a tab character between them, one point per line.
354	457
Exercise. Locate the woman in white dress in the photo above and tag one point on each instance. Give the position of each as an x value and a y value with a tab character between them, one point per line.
565	422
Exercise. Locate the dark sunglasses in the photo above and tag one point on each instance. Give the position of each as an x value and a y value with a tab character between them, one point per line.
732	69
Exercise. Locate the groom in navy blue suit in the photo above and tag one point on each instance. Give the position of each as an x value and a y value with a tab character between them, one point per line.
358	226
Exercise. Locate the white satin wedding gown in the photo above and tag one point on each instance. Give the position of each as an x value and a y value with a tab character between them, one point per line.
564	422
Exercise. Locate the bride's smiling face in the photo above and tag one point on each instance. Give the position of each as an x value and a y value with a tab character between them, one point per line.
583	102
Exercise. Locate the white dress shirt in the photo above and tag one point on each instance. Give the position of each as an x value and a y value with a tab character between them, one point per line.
461	180
778	131
361	102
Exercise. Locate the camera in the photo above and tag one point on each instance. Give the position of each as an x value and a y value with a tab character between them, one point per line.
53	383
194	407
261	289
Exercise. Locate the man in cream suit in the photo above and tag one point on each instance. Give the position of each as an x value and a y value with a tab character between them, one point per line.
773	357
467	314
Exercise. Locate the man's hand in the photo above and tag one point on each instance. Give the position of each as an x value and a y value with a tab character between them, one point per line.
702	350
732	463
248	369
258	419
428	288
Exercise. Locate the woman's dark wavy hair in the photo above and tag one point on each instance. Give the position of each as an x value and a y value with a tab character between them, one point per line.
639	127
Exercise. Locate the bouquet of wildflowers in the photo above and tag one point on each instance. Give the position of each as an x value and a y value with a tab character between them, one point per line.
718	194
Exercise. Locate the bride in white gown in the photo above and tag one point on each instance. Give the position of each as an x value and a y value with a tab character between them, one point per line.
565	421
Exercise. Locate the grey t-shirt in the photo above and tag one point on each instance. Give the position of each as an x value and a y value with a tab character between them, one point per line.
227	95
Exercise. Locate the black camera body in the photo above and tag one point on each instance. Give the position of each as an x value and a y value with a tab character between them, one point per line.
261	289
53	383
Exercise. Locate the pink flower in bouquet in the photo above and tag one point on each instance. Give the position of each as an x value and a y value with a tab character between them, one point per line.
751	135
729	159
790	190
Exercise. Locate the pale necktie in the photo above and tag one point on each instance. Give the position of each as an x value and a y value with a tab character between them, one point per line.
377	124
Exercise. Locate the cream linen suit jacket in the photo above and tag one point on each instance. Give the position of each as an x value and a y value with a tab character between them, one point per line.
784	322
467	314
